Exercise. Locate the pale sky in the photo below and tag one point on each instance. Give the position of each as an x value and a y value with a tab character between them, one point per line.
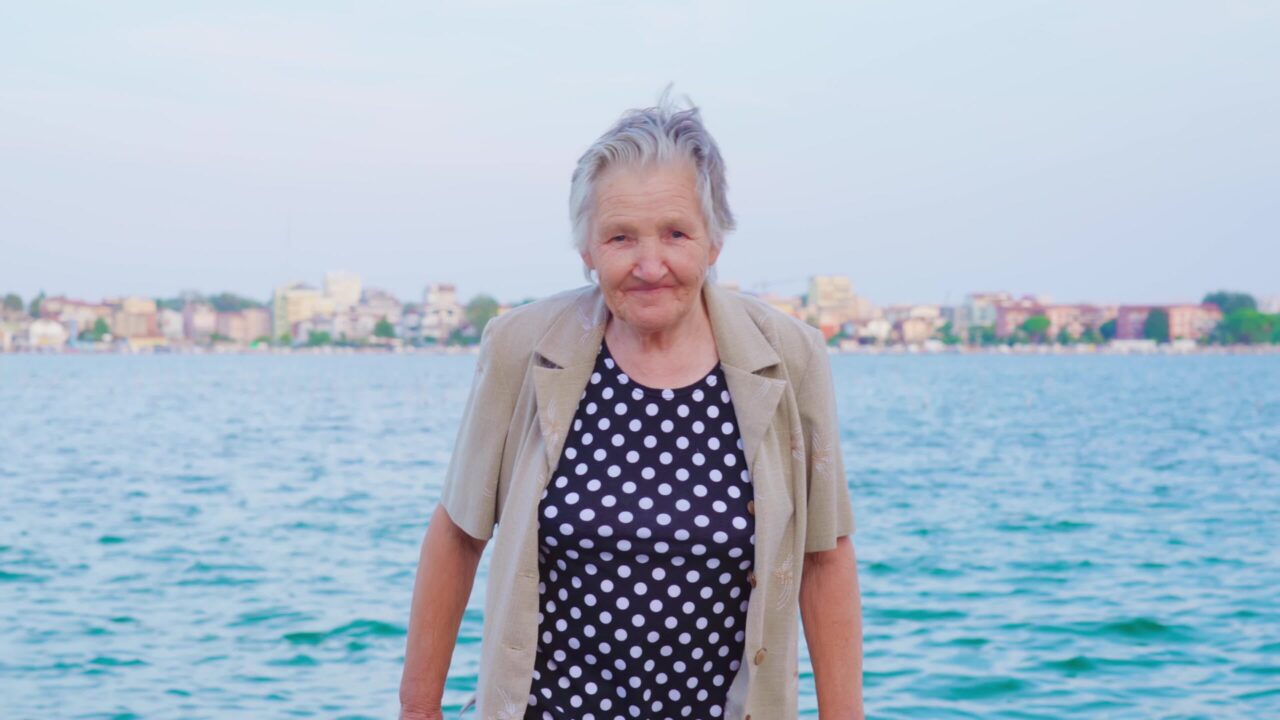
1088	151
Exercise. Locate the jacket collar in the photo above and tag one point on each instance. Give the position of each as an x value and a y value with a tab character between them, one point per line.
566	353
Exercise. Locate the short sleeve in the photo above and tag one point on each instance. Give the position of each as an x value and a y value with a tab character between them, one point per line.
470	492
829	509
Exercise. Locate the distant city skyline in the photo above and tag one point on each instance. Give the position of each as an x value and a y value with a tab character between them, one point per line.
1087	152
791	287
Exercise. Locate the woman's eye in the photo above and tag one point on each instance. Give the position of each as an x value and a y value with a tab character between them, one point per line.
677	233
619	238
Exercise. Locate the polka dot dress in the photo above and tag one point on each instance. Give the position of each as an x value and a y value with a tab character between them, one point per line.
645	546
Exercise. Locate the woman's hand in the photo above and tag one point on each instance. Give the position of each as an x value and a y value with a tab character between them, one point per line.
420	714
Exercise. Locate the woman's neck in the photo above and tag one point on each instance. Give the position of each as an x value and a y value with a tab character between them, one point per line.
670	357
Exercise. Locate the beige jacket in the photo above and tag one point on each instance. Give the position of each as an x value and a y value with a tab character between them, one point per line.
533	366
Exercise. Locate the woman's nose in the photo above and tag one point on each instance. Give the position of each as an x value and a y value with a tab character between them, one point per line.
650	267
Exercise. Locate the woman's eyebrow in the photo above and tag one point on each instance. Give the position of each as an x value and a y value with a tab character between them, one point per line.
679	220
617	225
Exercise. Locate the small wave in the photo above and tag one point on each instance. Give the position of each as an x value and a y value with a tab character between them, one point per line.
356	629
918	614
1137	628
6	576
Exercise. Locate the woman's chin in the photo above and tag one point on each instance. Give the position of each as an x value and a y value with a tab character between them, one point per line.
651	319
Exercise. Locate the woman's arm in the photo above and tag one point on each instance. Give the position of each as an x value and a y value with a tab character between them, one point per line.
446	571
831	608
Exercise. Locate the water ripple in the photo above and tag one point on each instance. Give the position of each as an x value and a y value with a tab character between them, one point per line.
1039	537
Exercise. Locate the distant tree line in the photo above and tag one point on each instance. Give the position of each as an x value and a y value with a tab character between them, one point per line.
1242	323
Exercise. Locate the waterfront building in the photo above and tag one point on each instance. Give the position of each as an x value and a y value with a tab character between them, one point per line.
1010	314
75	315
343	288
257	323
133	317
1192	322
294	303
1186	321
978	310
831	302
914	330
199	321
410	327
46	333
172	324
244	326
876	331
441	311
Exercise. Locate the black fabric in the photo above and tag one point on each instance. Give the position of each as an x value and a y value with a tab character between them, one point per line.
645	547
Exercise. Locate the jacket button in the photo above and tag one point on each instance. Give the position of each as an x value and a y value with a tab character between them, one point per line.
760	656
751	578
751	507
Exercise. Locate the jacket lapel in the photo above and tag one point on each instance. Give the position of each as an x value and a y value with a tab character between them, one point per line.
566	353
564	357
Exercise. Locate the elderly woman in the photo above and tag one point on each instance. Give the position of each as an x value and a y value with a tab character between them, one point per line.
661	459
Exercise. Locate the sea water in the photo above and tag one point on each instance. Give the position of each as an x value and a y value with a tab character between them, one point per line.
1037	537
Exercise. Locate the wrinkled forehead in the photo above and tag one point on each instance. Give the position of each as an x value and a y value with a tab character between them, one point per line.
649	188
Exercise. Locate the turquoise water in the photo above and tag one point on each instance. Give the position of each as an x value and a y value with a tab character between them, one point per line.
1038	537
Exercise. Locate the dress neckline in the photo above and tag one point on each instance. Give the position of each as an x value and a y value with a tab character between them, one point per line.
710	379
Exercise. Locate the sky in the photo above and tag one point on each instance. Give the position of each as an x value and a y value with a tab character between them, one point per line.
1122	151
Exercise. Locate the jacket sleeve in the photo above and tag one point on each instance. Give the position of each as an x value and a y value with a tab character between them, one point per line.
829	509
470	492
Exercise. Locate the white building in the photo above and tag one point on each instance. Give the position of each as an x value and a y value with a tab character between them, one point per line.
172	324
343	288
294	303
410	327
441	311
199	321
46	333
978	310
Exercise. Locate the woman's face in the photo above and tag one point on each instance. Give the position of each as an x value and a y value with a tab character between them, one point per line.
649	244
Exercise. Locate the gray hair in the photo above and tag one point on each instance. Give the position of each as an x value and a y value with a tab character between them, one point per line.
655	134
